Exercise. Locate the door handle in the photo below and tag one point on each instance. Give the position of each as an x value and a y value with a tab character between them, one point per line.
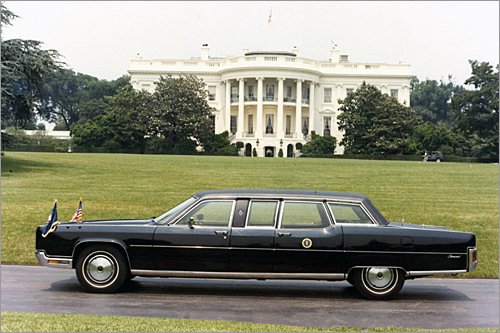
221	232
284	234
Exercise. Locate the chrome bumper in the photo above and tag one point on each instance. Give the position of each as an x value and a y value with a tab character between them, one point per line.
54	262
471	263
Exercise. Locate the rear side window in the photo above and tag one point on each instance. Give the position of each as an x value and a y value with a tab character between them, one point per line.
349	213
304	215
262	214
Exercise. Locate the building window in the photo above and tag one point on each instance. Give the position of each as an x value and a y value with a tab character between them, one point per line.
288	95
250	124
212	122
288	124
251	96
211	93
233	124
269	123
327	95
326	126
344	58
234	94
305	125
270	92
305	94
349	90
394	93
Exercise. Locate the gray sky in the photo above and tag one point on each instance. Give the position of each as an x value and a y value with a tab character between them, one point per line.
100	38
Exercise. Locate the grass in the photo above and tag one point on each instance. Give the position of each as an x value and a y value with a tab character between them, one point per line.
31	322
460	196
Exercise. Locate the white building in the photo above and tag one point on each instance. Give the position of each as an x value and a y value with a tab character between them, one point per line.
273	100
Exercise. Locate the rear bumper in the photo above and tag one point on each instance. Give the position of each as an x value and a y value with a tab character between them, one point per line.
471	259
55	262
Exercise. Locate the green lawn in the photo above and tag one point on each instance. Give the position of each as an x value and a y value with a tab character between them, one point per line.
31	322
460	196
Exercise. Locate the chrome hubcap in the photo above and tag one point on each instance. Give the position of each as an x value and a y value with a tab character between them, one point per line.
379	278
100	268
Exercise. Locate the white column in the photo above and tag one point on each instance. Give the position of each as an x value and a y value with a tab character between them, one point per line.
260	107
311	107
279	121
298	109
228	107
241	109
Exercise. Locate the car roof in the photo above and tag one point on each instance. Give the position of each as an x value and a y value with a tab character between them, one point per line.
249	193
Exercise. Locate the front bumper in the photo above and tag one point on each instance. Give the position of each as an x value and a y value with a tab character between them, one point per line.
55	262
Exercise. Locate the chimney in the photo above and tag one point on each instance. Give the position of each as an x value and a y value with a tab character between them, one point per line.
204	52
295	50
335	54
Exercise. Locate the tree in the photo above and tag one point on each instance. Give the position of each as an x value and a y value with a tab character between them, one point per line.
219	144
124	126
181	112
431	100
375	123
24	67
319	145
475	112
69	97
433	137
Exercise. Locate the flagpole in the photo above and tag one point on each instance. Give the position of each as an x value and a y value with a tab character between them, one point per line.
269	29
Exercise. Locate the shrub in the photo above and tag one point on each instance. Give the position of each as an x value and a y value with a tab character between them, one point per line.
280	153
239	144
298	146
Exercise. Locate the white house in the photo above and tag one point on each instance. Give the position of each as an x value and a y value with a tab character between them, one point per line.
272	100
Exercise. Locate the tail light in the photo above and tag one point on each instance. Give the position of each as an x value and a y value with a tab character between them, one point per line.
472	256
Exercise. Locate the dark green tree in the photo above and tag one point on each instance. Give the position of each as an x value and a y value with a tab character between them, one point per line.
24	66
219	144
319	145
431	99
375	123
475	112
431	137
181	113
124	126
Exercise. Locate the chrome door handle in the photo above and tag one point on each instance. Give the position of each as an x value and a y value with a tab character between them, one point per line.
221	232
284	234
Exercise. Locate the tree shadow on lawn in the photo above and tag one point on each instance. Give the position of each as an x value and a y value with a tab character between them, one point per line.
12	165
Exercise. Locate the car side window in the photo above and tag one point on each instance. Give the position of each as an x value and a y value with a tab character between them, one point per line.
349	213
304	215
210	213
262	214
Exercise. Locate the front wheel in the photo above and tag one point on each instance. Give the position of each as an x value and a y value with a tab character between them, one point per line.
101	269
378	283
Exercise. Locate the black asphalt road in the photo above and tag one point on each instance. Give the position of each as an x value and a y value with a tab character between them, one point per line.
426	303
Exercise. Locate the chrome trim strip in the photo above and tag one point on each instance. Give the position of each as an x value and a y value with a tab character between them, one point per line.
44	260
423	273
241	275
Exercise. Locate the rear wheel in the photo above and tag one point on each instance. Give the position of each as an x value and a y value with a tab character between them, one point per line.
378	282
101	269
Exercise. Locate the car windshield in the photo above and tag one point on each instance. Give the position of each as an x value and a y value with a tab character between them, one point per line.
165	216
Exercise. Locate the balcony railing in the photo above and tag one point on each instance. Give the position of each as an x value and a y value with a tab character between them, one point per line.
250	99
234	99
270	99
289	99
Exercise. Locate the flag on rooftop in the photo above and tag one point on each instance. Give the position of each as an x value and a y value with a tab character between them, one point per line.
270	14
52	221
78	216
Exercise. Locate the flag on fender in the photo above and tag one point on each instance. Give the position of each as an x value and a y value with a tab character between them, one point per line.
78	216
52	221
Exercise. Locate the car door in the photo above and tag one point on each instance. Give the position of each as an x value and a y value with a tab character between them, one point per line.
306	241
202	245
252	236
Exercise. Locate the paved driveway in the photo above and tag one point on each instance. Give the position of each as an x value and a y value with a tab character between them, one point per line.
426	303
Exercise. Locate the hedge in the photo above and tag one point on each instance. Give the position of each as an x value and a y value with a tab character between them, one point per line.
447	158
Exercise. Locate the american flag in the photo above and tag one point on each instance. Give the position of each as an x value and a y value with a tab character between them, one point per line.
270	14
78	216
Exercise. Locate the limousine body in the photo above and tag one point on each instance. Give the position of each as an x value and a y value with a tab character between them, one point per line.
260	234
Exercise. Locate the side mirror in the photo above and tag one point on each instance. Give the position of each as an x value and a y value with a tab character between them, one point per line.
191	222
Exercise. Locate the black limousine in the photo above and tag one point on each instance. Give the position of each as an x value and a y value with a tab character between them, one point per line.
260	234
